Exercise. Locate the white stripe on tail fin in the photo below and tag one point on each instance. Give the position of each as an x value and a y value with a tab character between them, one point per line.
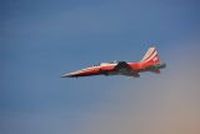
151	56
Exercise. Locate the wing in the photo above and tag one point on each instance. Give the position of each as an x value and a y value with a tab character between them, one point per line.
122	65
125	69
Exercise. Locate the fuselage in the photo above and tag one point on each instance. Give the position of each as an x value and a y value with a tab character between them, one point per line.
150	62
109	69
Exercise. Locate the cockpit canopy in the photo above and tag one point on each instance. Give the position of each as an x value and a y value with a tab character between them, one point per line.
111	62
107	63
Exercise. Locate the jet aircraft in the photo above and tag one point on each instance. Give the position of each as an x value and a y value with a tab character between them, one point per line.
149	63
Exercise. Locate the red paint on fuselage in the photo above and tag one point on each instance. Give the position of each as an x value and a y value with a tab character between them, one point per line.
150	62
110	68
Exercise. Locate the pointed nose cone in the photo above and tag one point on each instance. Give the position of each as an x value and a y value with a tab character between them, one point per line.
67	75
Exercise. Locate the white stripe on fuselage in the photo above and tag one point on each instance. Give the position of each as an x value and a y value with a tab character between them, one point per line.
93	67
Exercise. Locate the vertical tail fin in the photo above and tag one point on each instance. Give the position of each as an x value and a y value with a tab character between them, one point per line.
151	56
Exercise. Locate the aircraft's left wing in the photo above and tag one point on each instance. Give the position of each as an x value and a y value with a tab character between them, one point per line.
125	69
122	65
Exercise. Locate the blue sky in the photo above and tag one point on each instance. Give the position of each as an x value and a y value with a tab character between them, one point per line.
41	40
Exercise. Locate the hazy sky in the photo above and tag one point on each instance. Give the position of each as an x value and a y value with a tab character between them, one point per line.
42	39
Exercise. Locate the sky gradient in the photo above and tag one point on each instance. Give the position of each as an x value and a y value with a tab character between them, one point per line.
41	40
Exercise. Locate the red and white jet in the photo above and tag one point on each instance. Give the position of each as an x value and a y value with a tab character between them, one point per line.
150	63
